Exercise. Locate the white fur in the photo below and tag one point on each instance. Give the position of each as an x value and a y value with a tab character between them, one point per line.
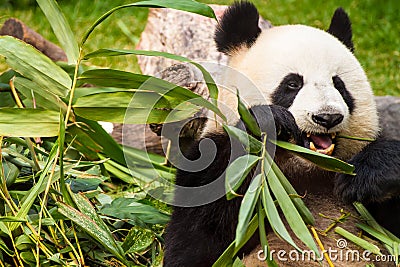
317	56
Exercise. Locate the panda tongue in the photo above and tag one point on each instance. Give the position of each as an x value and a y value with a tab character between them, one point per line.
321	141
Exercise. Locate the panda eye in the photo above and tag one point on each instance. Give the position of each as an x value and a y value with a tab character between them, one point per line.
294	85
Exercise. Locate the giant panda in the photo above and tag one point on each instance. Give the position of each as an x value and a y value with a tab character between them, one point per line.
314	89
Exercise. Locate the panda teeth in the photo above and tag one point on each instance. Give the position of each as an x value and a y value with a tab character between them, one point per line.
312	147
327	151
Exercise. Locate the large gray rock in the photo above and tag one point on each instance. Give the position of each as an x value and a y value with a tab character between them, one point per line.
389	116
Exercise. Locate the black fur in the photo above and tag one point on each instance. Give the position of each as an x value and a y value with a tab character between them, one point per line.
238	26
287	90
285	127
376	183
197	236
341	28
341	87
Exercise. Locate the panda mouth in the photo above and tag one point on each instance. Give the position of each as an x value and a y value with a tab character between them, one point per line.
321	143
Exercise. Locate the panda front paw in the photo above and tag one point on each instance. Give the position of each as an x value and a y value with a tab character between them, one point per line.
377	174
350	188
277	121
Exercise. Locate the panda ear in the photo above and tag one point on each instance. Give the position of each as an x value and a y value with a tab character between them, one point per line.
341	28
238	27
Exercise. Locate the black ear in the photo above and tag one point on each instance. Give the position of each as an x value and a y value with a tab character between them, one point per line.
341	28
238	26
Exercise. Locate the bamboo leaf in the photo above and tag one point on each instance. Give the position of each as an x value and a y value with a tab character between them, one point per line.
247	208
298	202
61	28
213	89
30	197
28	122
251	144
247	118
323	161
263	234
274	218
90	226
236	172
35	66
358	241
290	212
41	97
133	108
122	79
184	5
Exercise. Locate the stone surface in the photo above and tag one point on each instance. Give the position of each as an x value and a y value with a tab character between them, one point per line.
389	116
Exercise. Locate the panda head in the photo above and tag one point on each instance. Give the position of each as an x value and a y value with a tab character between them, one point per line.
311	72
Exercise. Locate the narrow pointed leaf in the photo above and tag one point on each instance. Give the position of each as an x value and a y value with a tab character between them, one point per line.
290	212
274	218
298	202
263	234
358	241
122	79
323	161
90	226
247	118
184	5
32	64
213	89
247	208
28	122
41	97
236	172
61	28
251	144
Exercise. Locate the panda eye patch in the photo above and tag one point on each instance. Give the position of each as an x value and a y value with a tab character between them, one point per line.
293	85
287	90
293	81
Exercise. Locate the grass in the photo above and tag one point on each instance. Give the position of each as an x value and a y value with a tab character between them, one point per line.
375	27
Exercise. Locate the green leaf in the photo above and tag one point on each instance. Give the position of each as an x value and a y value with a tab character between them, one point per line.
236	172
122	79
30	196
35	66
11	219
321	160
247	118
138	240
274	218
185	5
213	89
91	227
298	202
3	247
61	28
41	97
251	144
132	108
28	122
247	208
109	146
358	241
129	208
263	234
290	212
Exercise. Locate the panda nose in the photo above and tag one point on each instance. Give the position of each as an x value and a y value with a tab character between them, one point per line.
327	120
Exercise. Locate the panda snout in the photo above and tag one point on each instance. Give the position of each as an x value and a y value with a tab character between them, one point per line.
327	120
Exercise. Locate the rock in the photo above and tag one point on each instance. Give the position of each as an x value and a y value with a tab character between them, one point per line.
389	116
